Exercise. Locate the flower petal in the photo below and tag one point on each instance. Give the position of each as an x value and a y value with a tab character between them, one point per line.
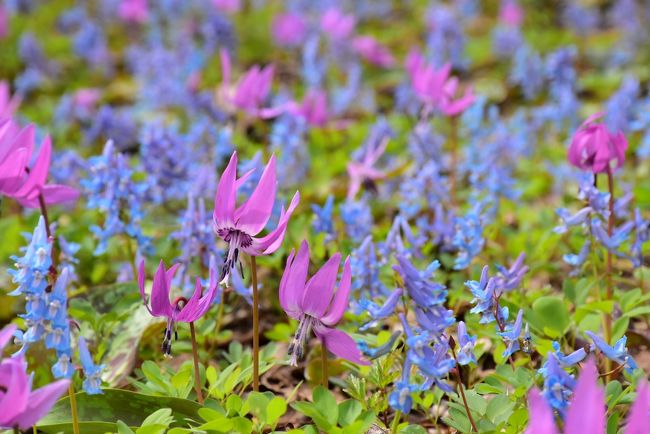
253	215
587	407
340	343
638	420
224	200
40	403
341	298
318	292
273	240
541	419
293	281
160	305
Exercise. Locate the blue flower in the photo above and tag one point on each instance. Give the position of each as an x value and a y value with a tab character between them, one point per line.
468	239
568	359
558	385
466	345
576	261
323	222
92	373
511	335
357	218
418	284
365	268
376	311
617	353
527	71
510	278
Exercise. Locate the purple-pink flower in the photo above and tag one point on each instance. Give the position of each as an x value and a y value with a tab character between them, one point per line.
238	226
8	103
373	51
250	92
18	179
133	11
228	6
594	147
436	89
363	171
587	409
316	306
511	14
289	29
178	310
337	25
21	407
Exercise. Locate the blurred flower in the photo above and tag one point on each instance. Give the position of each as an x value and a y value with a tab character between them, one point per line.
510	13
133	11
357	217
92	373
238	227
558	385
181	309
229	6
374	52
337	25
594	147
323	222
445	38
8	103
289	29
316	306
466	345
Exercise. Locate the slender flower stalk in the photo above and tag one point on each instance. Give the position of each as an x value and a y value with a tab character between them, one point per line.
256	327
461	388
324	366
197	372
610	228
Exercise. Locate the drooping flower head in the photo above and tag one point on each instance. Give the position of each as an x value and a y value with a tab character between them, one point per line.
594	147
314	303
22	407
19	179
238	226
179	310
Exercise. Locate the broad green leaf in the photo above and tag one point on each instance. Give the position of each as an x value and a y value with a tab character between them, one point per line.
326	404
349	410
552	313
123	428
275	409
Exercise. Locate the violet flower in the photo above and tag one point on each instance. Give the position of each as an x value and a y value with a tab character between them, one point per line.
337	25
20	181
250	92
181	309
239	226
594	147
374	52
314	303
22	407
362	172
8	103
133	11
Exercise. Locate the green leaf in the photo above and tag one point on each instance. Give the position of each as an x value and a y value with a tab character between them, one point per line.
234	404
275	410
552	313
159	417
349	410
84	427
115	404
326	404
123	428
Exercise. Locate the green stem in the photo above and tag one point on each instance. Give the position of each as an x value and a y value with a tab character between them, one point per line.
607	332
73	409
197	372
396	420
220	313
324	365
256	327
131	253
461	388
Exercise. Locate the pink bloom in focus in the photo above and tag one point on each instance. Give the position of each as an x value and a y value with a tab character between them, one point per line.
21	407
133	11
181	309
435	88
595	148
228	6
20	181
373	51
314	303
251	91
362	172
289	29
586	412
8	103
511	14
238	226
337	25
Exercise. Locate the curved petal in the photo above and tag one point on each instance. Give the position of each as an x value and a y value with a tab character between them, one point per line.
38	173
41	402
253	215
273	240
318	292
341	298
15	399
638	420
193	311
22	138
293	281
224	200
160	305
541	419
587	408
12	170
340	344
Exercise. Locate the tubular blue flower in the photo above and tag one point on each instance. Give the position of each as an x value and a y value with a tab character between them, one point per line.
357	217
323	222
466	345
400	398
511	335
377	311
618	237
468	238
21	406
239	226
365	269
510	278
576	261
558	385
568	359
92	373
418	284
180	310
642	235
382	350
315	305
617	353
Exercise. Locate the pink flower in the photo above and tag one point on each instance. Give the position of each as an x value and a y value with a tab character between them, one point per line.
21	407
20	181
362	172
86	98
595	148
250	92
337	25
435	88
373	51
239	226
228	6
638	419
314	303
4	22
133	11
181	309
511	14
289	29
8	103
